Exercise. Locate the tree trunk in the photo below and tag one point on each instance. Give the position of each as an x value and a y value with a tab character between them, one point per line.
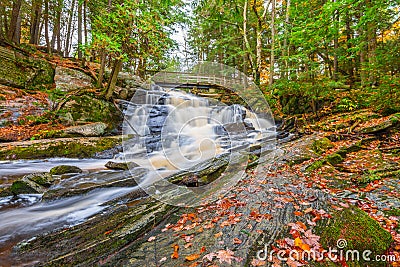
102	67
349	36
79	30
113	78
246	41
46	25
2	22
69	26
335	44
285	41
14	31
85	30
372	44
272	60
35	22
57	27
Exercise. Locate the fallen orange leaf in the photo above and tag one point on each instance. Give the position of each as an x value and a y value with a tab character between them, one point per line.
175	254
192	257
237	241
218	234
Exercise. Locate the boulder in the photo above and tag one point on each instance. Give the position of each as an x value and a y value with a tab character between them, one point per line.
5	192
35	183
92	129
380	125
120	165
67	79
85	108
22	71
43	179
63	169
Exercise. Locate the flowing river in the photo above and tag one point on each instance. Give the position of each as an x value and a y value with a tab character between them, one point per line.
171	131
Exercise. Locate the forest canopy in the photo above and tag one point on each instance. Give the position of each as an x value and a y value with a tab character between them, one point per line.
297	49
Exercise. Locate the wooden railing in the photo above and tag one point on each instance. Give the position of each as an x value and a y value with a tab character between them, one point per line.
178	78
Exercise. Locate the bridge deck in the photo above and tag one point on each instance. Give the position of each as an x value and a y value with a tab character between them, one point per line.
182	79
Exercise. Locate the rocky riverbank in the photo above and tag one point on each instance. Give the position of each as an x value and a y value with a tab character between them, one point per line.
289	202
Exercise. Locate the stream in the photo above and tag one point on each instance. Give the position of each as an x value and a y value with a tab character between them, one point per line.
171	131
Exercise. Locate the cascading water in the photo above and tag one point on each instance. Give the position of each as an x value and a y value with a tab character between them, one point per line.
173	131
186	129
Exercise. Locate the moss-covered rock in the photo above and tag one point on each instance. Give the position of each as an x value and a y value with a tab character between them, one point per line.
334	158
63	169
87	108
5	192
44	179
321	145
22	71
67	79
120	165
315	165
26	186
63	147
359	230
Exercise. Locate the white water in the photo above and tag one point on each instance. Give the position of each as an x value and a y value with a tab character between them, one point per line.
188	136
189	129
34	219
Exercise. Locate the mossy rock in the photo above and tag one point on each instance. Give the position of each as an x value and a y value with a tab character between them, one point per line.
5	192
23	71
26	187
334	158
315	165
321	145
87	108
392	212
68	147
120	165
63	169
359	230
44	179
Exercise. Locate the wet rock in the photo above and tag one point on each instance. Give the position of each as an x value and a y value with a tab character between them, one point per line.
67	79
44	179
120	165
108	153
83	183
63	147
191	181
5	192
63	169
92	129
32	184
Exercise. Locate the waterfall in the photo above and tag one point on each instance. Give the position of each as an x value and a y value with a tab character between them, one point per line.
178	130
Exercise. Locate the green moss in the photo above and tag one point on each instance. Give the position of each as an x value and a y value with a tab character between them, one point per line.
321	145
75	149
353	148
359	230
22	187
90	109
63	169
392	212
43	179
316	165
334	159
